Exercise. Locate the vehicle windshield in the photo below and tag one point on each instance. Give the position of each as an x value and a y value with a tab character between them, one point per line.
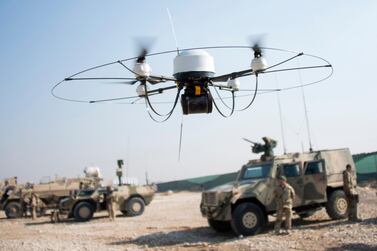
86	192
256	171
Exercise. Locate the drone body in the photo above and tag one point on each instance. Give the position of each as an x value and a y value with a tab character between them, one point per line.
192	69
194	74
193	66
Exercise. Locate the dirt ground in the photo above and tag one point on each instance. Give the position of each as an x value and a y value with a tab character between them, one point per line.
174	222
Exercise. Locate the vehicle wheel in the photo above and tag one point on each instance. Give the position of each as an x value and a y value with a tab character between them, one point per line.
83	211
135	206
337	205
13	210
219	226
247	219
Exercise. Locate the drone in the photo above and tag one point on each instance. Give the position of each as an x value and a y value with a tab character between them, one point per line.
193	75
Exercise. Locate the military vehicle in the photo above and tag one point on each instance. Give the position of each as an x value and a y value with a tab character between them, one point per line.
6	184
8	188
245	204
16	198
130	200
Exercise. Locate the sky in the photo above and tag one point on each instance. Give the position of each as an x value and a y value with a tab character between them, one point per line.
42	42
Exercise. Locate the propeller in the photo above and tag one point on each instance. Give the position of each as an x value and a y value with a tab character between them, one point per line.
256	42
124	82
258	63
141	69
144	45
141	58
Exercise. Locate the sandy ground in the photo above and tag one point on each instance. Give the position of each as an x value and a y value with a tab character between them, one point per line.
174	223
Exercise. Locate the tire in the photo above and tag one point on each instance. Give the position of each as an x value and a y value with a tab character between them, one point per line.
83	211
219	226
135	207
337	205
247	219
13	210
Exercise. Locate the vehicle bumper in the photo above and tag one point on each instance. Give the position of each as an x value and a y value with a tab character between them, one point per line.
220	212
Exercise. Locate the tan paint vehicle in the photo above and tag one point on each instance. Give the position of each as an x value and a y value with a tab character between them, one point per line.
130	200
7	183
245	204
15	199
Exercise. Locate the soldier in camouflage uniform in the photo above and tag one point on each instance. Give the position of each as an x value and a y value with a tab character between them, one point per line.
111	201
34	205
55	216
349	181
284	197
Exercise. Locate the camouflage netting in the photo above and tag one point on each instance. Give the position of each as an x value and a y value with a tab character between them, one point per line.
366	166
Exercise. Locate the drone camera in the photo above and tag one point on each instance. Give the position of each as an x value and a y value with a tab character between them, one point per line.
196	100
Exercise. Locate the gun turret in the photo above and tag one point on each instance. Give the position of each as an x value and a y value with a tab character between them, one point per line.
267	147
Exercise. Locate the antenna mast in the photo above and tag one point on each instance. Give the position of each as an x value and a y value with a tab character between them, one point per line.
306	113
128	156
281	118
281	124
172	29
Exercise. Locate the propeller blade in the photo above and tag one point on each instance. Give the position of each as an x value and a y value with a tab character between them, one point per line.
159	79
144	44
123	82
154	81
142	54
256	42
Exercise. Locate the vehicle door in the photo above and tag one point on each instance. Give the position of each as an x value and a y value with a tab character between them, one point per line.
293	173
314	182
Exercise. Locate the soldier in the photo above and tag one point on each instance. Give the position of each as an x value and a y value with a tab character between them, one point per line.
55	216
284	196
110	201
34	205
25	202
349	186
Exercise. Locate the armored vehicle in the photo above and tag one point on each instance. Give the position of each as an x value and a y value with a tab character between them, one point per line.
7	184
9	191
244	205
130	200
16	198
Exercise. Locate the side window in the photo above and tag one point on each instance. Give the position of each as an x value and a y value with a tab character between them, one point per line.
314	167
291	170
